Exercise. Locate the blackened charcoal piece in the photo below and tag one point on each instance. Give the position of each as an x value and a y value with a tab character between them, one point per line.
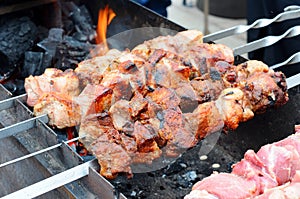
70	52
81	19
33	64
17	35
50	43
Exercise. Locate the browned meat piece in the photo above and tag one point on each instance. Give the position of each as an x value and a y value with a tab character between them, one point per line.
203	56
61	110
120	84
169	74
128	62
179	43
161	98
175	135
164	97
145	154
263	87
173	131
206	89
188	97
144	137
53	80
122	90
204	120
121	117
138	103
234	107
93	127
91	71
111	156
94	99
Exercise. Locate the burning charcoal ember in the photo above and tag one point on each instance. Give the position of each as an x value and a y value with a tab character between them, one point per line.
17	35
55	36
11	86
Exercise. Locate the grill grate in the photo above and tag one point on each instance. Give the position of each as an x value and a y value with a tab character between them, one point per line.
20	177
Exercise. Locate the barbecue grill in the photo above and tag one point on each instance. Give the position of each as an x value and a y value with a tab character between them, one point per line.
35	162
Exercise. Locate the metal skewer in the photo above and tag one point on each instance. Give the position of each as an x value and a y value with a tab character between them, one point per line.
295	79
266	41
290	12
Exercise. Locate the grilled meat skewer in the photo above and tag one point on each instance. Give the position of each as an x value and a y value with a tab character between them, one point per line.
151	102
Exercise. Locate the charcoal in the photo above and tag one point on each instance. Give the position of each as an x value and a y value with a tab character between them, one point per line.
80	37
81	19
70	52
50	43
17	35
16	86
33	64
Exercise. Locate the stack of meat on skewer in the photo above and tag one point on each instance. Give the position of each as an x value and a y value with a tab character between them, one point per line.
157	99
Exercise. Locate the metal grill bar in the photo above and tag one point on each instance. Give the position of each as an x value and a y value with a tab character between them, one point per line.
8	103
52	182
22	126
38	152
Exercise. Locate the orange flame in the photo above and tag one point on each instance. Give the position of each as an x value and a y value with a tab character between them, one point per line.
105	16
